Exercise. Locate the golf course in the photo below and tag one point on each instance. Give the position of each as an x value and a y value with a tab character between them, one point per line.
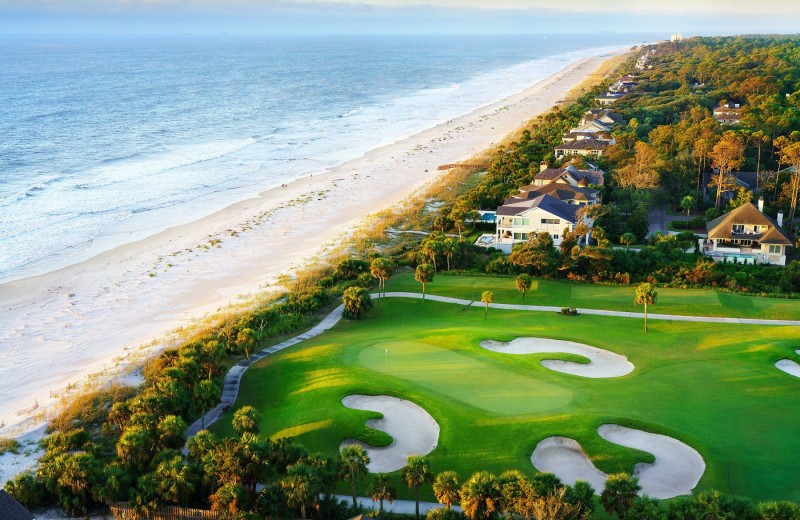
712	387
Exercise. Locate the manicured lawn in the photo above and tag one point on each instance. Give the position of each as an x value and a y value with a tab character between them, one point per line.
694	302
712	386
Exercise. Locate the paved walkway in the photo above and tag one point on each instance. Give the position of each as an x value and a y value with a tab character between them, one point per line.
621	314
230	385
403	507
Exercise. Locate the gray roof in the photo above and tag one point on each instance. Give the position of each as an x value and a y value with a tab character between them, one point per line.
583	144
547	203
10	509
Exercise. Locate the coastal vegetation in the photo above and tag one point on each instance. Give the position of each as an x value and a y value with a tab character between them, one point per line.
123	445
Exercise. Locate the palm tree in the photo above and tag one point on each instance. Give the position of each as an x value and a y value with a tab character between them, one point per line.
424	275
432	247
449	248
618	496
687	203
481	496
245	420
487	297
381	268
175	480
353	461
416	472
381	489
301	485
645	295
206	394
523	283
356	301
647	508
627	239
445	487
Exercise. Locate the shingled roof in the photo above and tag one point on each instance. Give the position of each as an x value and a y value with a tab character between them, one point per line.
10	509
747	214
547	203
553	174
563	192
583	144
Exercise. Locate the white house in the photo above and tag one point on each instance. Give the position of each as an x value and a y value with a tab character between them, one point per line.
591	147
577	195
728	113
747	235
518	219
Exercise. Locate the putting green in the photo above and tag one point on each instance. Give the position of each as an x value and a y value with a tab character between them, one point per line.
456	375
712	386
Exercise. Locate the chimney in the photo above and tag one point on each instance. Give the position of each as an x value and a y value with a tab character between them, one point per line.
761	204
780	219
542	166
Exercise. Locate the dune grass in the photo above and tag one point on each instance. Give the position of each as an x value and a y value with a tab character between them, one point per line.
692	302
712	386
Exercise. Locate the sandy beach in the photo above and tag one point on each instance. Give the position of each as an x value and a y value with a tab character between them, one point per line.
92	318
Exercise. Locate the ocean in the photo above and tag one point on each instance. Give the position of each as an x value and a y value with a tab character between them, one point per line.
107	140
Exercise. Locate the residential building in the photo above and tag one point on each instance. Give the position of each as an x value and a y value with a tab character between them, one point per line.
10	509
604	116
593	148
569	175
747	235
518	219
728	113
609	98
564	192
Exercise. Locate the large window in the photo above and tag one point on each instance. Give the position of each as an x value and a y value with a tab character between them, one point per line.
520	236
522	221
775	250
738	228
551	221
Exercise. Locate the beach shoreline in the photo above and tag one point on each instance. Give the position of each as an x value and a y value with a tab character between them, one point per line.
95	317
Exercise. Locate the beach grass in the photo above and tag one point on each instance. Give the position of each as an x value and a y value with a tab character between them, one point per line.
712	386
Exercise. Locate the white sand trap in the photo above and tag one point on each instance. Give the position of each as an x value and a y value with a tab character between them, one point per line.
789	366
414	431
676	470
602	363
565	457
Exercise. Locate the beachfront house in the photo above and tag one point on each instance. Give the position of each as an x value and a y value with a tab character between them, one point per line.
603	116
568	175
609	98
590	147
577	195
728	113
518	219
747	235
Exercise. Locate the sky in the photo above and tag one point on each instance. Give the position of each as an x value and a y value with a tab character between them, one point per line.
397	16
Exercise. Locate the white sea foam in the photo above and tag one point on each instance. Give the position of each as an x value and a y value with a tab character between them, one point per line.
67	217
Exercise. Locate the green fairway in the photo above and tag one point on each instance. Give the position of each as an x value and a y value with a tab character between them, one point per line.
692	302
712	386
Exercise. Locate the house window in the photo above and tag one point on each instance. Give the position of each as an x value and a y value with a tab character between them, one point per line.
522	221
738	228
775	250
551	221
520	236
555	237
756	229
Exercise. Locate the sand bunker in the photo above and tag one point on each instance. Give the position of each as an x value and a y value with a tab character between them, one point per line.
676	470
602	363
414	431
789	366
